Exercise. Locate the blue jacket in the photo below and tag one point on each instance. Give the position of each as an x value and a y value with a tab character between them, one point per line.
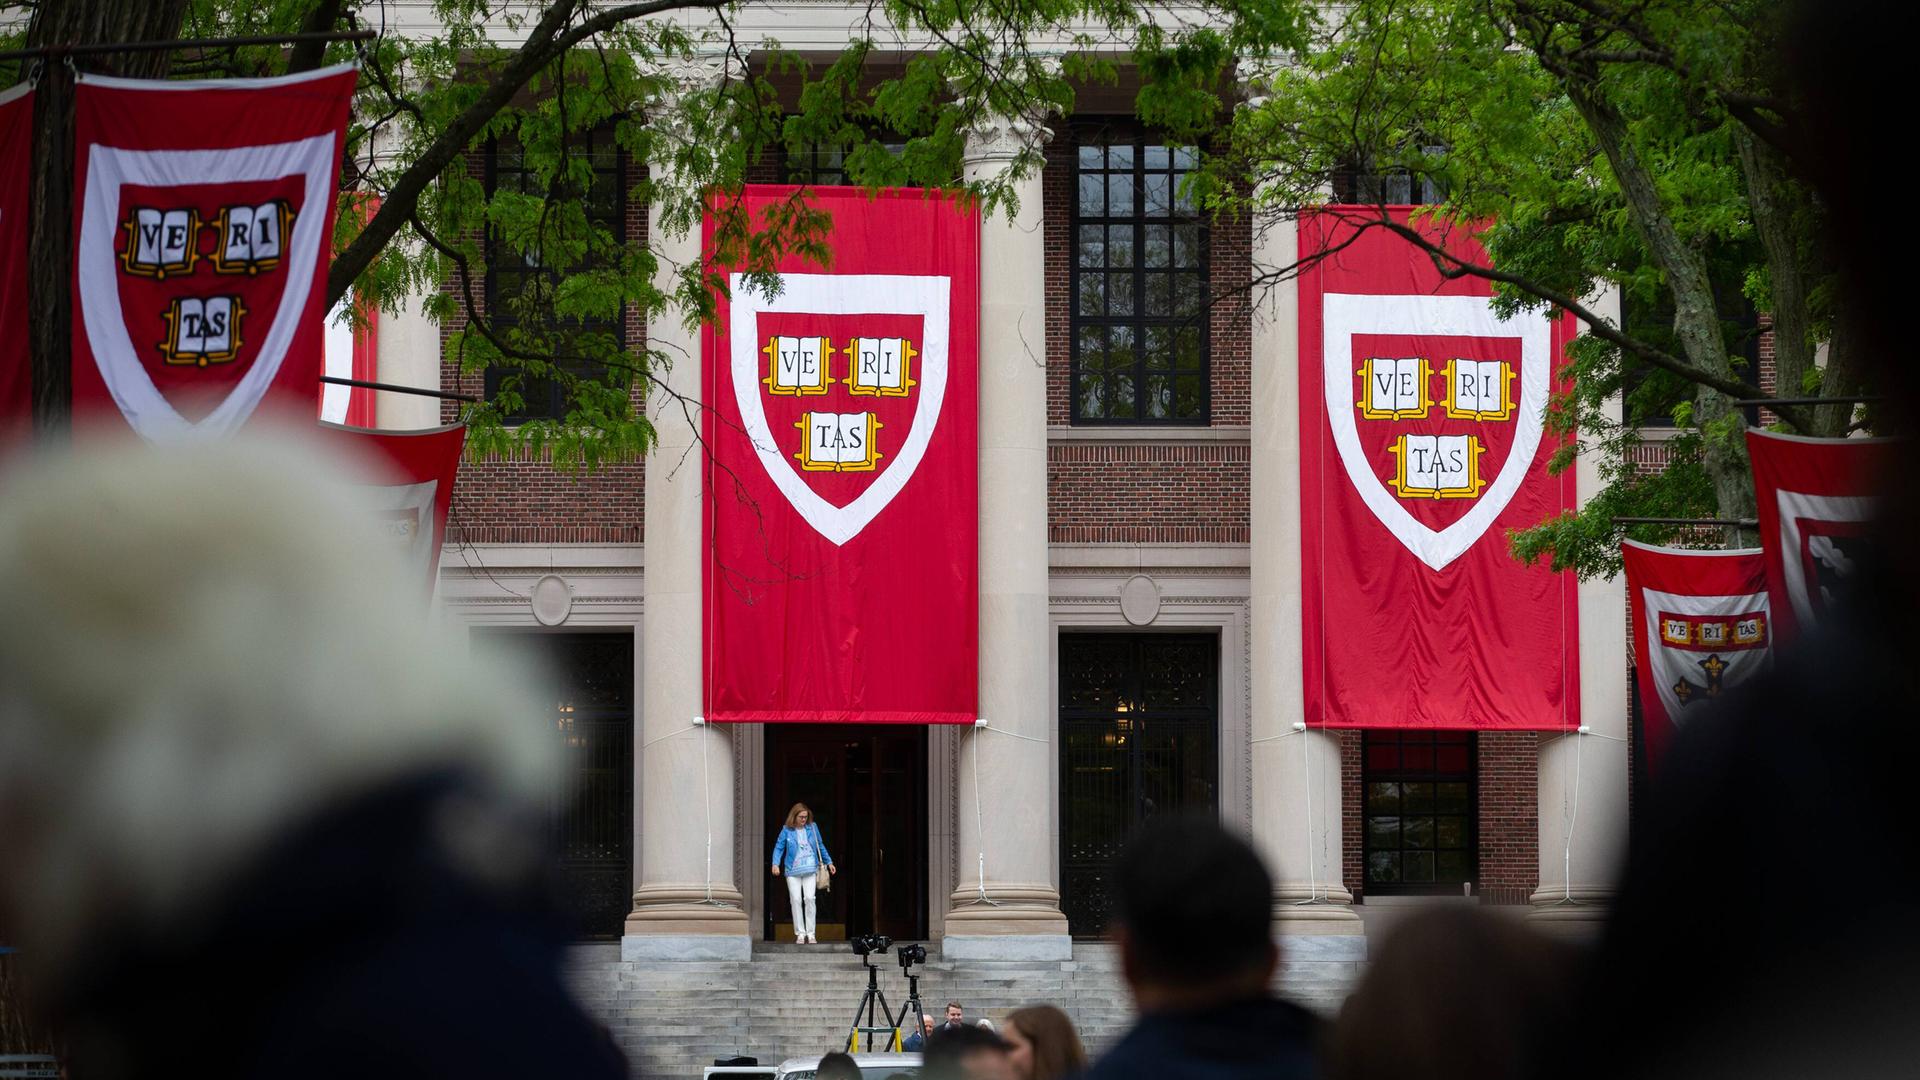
789	846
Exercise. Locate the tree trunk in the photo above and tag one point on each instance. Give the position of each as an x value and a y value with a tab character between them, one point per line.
1696	319
1772	195
50	237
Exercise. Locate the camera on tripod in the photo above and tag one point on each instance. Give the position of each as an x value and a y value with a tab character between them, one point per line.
871	943
909	955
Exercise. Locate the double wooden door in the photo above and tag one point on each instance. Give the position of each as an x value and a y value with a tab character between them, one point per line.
867	788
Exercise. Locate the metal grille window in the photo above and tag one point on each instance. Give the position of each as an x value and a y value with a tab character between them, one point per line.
590	715
1139	736
1140	272
1420	811
515	276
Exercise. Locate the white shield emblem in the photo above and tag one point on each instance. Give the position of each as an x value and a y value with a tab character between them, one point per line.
109	169
925	297
1347	315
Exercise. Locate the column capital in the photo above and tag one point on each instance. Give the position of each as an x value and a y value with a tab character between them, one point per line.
1003	140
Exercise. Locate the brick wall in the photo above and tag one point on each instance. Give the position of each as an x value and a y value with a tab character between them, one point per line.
521	499
1166	492
1509	763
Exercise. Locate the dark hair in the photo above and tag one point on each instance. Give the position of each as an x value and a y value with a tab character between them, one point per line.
1057	1050
949	1048
1195	901
956	1005
837	1066
1456	992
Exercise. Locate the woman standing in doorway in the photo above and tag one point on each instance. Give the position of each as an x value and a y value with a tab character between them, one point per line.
798	855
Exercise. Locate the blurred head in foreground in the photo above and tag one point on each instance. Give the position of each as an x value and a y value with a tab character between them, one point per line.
1195	914
239	770
967	1052
1042	1043
1455	991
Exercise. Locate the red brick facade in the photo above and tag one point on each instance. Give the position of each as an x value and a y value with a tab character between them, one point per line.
1168	491
522	500
1509	791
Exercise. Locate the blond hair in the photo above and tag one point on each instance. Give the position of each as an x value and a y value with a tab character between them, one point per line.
793	815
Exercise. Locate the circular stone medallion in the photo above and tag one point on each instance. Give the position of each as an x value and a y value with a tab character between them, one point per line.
552	600
1140	600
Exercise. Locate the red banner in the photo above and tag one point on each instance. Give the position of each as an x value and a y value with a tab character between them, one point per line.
415	469
16	157
1816	500
203	217
1702	624
1422	442
842	423
352	347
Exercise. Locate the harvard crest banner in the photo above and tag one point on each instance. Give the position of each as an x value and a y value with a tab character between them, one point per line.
16	156
842	422
203	215
1702	625
413	474
1816	499
1423	441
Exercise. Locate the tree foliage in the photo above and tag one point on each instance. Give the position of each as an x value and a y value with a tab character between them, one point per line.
1638	149
1643	150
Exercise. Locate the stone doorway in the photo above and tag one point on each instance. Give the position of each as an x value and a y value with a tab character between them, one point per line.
1139	736
867	786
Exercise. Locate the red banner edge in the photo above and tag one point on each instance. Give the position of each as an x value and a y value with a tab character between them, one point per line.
878	716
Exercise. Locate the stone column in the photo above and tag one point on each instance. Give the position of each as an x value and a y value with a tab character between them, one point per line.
687	906
1006	770
1297	811
1583	775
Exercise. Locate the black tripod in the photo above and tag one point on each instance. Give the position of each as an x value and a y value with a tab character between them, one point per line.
911	1012
868	1002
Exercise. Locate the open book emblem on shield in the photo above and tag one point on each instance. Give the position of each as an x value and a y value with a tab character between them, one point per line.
839	381
1436	406
199	260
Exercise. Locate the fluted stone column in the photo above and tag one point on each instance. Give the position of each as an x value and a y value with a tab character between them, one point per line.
687	906
1006	771
1297	811
1583	776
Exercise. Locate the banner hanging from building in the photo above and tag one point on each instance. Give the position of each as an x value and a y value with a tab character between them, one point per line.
1816	499
16	366
842	426
352	345
203	218
1702	625
1423	442
408	509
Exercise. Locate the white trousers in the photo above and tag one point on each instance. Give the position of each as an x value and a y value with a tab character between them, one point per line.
800	891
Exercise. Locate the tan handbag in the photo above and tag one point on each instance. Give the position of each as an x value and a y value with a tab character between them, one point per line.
826	880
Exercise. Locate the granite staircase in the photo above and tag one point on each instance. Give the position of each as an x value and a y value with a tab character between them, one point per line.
790	1001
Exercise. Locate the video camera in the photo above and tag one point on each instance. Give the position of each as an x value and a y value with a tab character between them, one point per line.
909	955
870	943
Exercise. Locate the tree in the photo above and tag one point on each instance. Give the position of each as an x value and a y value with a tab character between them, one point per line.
667	82
1645	146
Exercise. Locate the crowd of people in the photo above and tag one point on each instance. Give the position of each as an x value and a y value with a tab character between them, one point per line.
1454	991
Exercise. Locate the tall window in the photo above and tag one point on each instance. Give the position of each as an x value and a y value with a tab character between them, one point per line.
1420	815
519	282
1139	284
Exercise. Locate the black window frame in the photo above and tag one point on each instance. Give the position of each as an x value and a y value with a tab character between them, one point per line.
1401	775
1107	135
546	399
